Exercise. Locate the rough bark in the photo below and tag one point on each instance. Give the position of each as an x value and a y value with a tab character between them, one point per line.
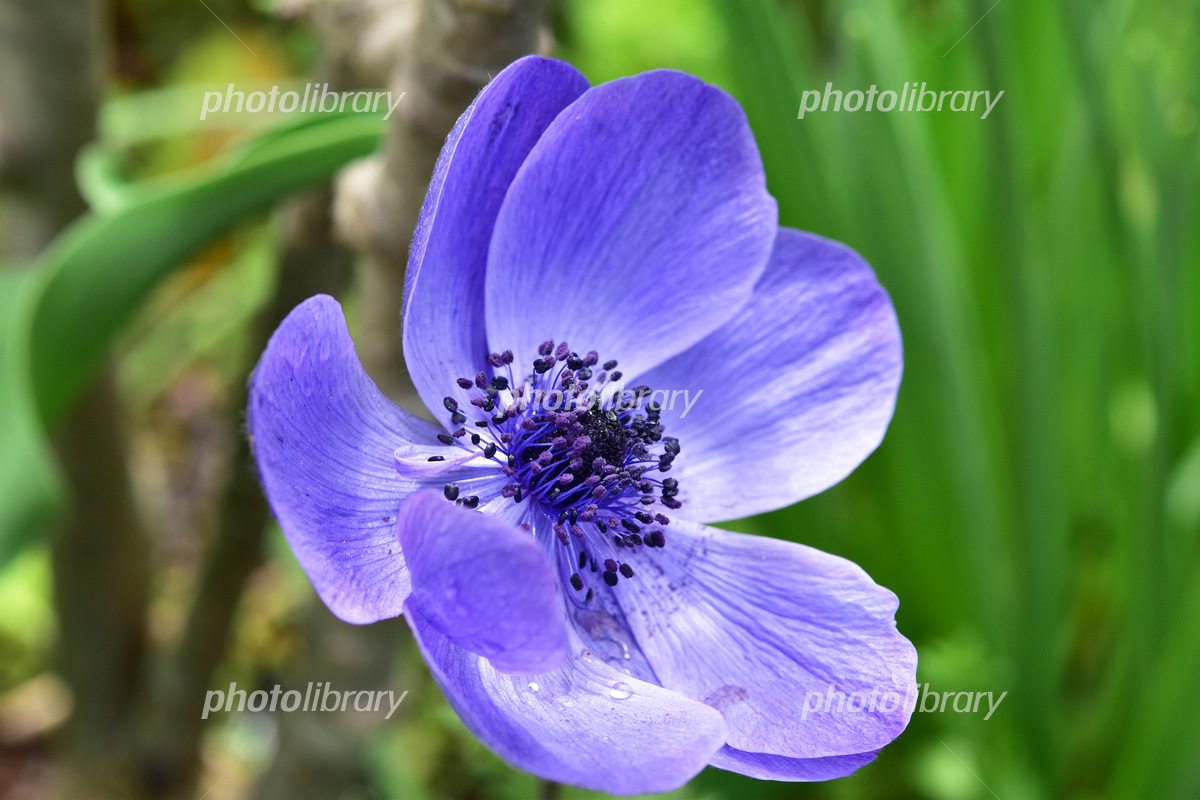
51	62
457	46
101	584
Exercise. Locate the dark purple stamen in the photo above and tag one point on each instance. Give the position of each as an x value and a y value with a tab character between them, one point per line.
586	452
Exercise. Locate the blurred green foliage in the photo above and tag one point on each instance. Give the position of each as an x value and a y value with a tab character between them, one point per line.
1036	503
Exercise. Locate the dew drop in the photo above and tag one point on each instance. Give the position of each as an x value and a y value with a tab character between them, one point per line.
533	687
620	691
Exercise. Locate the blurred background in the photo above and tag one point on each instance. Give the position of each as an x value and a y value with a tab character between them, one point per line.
1035	505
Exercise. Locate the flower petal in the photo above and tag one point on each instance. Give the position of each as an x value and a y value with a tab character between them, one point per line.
444	336
584	723
766	767
638	224
324	438
758	627
797	389
483	584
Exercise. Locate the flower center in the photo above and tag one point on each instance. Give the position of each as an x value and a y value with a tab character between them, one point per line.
589	453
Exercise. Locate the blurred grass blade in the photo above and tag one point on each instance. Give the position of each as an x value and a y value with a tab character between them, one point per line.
768	64
1164	729
958	341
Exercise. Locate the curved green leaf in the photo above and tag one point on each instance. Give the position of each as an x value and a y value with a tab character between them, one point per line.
31	490
58	318
100	269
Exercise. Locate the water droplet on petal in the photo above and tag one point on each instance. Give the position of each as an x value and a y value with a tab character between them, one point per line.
620	691
533	687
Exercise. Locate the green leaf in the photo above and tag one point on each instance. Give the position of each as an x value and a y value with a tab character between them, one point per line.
30	488
99	271
58	318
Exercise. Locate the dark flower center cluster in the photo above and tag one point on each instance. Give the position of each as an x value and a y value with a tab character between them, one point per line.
575	442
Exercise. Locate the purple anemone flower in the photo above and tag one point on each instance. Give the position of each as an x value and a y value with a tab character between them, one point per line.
619	345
